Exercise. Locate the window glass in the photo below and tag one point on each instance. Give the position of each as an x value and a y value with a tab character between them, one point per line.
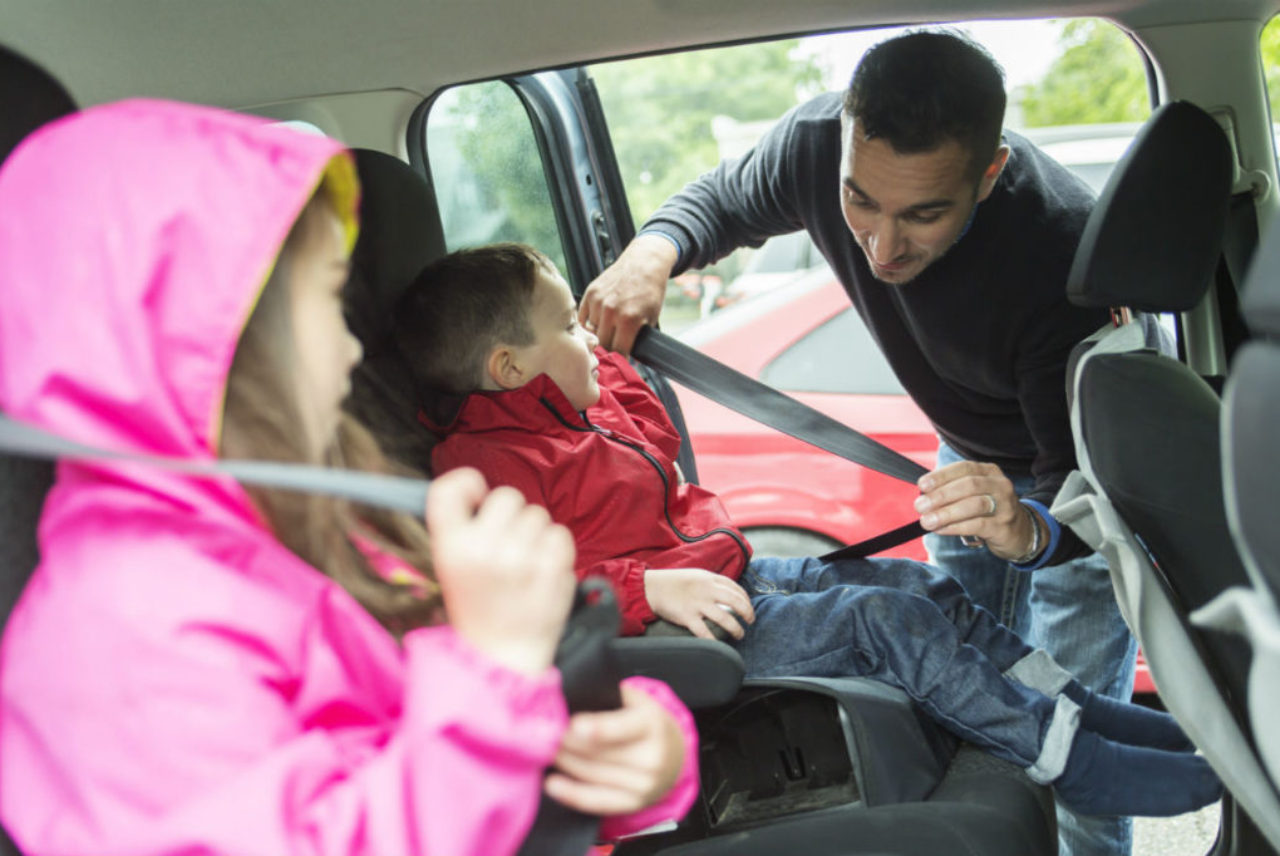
489	181
1077	88
837	356
1270	48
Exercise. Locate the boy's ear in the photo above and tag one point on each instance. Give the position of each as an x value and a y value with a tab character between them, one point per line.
503	369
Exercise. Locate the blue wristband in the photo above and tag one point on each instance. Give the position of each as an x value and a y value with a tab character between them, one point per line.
1055	535
669	237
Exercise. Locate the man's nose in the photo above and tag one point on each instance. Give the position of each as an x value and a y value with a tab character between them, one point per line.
885	241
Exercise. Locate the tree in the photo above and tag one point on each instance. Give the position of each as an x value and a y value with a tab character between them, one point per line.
489	178
1100	77
660	109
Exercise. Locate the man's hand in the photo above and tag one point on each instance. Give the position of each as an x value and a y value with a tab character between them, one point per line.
629	293
977	500
618	761
691	596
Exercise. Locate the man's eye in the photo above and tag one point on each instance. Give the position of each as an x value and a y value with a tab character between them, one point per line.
922	219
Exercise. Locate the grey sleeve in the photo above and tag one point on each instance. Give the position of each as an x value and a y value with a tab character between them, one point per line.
742	202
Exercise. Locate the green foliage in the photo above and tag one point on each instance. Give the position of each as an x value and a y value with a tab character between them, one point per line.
487	172
1271	63
659	109
1098	78
489	177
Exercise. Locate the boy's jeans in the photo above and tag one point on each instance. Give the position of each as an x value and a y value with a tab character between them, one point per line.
906	624
1070	611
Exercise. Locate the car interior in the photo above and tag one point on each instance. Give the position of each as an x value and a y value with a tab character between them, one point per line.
1176	482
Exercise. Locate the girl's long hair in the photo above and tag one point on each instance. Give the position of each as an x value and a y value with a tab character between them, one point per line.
262	421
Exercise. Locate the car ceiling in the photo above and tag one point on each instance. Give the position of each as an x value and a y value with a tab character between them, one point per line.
243	53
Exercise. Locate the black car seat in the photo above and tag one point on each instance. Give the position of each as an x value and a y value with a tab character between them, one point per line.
29	97
1148	491
1251	472
788	765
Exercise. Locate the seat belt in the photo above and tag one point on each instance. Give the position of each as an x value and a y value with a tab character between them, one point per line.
589	672
768	406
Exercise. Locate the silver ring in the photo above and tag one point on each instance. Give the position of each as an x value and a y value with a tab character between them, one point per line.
991	505
590	325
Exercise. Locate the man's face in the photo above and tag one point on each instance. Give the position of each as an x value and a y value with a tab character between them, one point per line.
906	210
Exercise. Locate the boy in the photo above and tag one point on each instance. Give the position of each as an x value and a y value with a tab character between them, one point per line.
518	390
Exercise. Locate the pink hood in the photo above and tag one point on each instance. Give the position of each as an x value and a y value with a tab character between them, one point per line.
159	223
172	678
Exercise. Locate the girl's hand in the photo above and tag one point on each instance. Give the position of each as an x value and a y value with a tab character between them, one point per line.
618	761
691	596
505	570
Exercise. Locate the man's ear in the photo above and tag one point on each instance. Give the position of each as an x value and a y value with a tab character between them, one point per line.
991	174
502	368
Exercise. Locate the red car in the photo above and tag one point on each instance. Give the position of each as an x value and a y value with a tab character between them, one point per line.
790	498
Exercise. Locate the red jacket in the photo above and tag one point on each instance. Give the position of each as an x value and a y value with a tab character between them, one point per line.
609	477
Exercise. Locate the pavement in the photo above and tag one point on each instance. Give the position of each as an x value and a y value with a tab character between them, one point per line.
1185	835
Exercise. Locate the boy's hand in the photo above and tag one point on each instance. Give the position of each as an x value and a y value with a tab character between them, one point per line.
505	570
691	596
618	761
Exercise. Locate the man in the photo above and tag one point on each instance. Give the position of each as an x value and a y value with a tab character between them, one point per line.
953	242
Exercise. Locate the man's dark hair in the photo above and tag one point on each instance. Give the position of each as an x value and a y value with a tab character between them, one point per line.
918	90
460	307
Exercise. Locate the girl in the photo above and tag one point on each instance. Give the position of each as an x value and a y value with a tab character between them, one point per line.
200	667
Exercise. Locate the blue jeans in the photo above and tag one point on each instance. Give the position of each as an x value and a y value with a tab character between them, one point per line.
1070	611
906	624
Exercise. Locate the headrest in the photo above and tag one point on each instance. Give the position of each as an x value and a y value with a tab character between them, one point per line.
400	233
1260	302
29	97
1155	236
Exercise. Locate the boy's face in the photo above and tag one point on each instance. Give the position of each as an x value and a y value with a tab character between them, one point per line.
562	349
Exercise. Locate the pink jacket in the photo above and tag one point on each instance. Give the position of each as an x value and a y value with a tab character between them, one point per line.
173	679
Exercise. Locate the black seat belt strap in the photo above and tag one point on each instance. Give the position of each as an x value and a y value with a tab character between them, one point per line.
763	403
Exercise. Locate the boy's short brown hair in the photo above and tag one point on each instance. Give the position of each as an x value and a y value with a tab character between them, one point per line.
460	307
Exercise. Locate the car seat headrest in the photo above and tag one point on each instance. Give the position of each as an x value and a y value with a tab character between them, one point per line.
1260	301
1155	235
29	97
400	233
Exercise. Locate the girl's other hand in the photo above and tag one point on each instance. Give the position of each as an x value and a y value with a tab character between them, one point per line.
505	570
618	761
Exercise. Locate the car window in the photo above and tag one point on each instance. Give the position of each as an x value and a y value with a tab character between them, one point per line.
1079	81
837	356
489	180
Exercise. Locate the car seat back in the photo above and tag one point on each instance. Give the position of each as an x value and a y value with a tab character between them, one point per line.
29	97
1251	470
1148	493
